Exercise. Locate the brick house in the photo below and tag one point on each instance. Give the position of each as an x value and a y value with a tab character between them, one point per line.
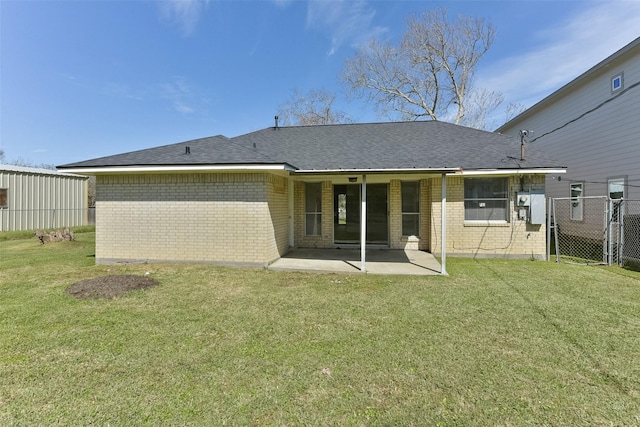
250	199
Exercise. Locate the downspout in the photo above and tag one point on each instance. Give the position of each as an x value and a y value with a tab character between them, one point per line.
363	225
443	222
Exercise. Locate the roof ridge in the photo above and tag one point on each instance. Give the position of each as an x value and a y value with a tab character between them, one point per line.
344	124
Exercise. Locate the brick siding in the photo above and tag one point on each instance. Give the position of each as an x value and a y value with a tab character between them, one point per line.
516	238
233	218
243	218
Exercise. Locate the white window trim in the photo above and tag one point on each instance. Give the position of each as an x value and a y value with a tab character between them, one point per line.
314	213
489	222
624	185
403	213
619	76
580	202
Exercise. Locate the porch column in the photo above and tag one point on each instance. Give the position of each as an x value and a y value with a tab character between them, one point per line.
363	224
443	222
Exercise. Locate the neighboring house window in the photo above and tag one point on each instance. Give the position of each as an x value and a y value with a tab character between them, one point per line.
410	208
617	82
4	198
577	202
486	199
313	208
616	193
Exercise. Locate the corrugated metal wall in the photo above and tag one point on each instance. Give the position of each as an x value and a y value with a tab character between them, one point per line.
41	200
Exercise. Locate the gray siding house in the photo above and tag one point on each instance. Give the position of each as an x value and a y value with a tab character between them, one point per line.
33	198
592	126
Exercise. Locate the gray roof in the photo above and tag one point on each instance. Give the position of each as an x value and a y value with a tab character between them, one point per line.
372	146
204	151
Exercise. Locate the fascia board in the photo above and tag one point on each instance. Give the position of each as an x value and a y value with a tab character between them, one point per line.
514	171
175	168
376	171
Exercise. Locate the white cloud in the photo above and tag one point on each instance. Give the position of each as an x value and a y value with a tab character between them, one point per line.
119	90
564	51
282	3
183	14
180	94
344	21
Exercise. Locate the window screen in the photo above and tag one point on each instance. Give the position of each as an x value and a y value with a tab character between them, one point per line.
410	208
486	199
577	201
313	209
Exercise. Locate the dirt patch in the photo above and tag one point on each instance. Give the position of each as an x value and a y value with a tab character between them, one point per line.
110	286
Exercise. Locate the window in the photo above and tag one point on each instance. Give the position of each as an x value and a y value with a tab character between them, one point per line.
4	198
313	208
577	202
616	188
616	193
617	82
410	208
486	199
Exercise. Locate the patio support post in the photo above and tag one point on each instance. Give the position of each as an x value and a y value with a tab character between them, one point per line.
363	224
443	214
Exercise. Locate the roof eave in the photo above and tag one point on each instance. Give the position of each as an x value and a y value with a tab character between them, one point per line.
376	171
517	171
105	170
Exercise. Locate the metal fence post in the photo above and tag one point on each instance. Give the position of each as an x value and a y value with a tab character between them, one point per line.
549	229
620	250
555	232
609	232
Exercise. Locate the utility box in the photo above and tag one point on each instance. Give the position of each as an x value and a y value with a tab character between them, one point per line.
537	207
531	206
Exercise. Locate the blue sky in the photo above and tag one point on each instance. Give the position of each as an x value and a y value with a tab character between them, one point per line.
83	79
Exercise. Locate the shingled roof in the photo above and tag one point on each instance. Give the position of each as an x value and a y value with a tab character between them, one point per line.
204	151
423	145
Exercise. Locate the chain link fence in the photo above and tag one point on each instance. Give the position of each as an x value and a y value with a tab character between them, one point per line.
629	231
40	219
595	230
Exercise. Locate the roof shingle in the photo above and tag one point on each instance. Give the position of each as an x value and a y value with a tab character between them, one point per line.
371	146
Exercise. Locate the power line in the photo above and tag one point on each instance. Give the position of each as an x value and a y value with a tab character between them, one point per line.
626	184
587	112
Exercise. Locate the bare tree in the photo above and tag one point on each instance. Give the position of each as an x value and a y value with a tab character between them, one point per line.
91	191
512	110
28	164
313	108
429	74
480	104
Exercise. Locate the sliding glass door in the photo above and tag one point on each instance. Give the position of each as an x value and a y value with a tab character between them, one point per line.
347	204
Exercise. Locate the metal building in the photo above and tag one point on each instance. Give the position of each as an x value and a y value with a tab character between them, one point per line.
32	199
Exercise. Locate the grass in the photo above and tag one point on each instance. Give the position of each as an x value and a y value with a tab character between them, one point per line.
495	343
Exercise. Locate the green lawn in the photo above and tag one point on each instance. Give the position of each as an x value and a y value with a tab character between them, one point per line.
510	343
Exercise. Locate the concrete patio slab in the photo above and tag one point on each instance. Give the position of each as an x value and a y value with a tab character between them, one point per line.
377	261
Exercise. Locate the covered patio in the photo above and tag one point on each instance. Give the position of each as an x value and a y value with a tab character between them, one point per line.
378	261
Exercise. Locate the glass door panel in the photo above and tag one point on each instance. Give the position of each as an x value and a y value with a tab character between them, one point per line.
377	214
347	203
346	223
